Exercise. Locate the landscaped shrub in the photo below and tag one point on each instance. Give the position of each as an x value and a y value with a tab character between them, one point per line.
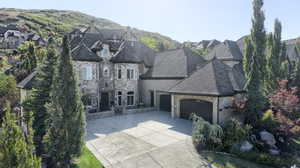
205	135
267	159
268	122
235	133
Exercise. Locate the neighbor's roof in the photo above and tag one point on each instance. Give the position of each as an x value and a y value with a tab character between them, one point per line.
27	83
83	53
215	79
134	52
176	63
292	53
228	50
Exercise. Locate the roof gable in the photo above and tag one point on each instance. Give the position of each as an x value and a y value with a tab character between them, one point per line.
228	50
83	53
212	79
177	63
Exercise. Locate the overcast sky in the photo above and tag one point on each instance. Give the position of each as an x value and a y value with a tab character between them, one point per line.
182	20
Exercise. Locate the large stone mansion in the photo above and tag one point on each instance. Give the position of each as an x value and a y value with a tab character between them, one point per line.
115	70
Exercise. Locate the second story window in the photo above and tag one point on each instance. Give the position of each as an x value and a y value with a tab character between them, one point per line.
86	72
119	73
130	74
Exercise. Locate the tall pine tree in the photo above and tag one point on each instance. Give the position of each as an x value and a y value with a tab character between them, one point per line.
65	136
254	68
16	150
277	64
41	96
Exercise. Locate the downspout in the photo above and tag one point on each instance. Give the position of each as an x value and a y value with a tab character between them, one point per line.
218	111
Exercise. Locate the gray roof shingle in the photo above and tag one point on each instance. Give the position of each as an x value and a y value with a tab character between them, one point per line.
83	53
215	79
134	52
177	63
27	83
228	50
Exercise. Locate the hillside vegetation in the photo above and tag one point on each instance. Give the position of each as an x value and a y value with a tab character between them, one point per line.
61	21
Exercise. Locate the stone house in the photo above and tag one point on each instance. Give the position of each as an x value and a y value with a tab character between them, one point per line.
116	70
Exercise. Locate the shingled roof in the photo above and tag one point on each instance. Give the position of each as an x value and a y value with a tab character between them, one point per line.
213	79
177	63
27	83
228	50
134	52
83	53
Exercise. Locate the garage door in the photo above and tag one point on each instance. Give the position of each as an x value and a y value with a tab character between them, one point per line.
203	109
165	103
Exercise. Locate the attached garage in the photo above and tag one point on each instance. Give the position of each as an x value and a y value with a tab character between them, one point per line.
165	103
201	108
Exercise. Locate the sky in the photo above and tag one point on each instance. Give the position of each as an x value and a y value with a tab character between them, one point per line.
182	20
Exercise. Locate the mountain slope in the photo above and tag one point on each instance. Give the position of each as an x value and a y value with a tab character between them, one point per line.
63	21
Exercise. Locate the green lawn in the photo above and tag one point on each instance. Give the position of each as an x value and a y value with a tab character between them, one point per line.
225	161
87	160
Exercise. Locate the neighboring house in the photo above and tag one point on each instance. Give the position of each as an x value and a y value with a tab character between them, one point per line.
11	37
116	70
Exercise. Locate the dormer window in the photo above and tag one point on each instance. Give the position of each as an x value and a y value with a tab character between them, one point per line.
104	52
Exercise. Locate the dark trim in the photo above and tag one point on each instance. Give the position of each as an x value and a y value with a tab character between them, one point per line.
161	78
85	60
218	114
128	62
202	94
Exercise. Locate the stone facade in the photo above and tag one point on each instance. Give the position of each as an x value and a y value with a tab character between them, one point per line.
115	80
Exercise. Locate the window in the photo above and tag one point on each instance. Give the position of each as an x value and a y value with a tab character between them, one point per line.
104	52
119	73
86	72
105	72
130	98
130	74
119	98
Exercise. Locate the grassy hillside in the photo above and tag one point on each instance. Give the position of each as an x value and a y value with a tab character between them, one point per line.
60	21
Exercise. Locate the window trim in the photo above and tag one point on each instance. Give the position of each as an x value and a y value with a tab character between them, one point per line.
131	94
84	72
119	98
119	73
130	74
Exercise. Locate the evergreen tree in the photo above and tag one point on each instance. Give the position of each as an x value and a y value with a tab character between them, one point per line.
276	59
271	66
247	59
286	67
296	71
65	136
40	97
255	65
14	151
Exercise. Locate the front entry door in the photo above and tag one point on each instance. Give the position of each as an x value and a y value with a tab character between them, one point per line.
104	101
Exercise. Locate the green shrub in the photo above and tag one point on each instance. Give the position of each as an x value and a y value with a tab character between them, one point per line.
235	133
268	122
267	159
206	135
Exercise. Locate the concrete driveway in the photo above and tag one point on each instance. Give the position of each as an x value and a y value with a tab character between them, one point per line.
143	140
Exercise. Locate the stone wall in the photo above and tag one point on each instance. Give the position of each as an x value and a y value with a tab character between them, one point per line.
88	86
126	85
